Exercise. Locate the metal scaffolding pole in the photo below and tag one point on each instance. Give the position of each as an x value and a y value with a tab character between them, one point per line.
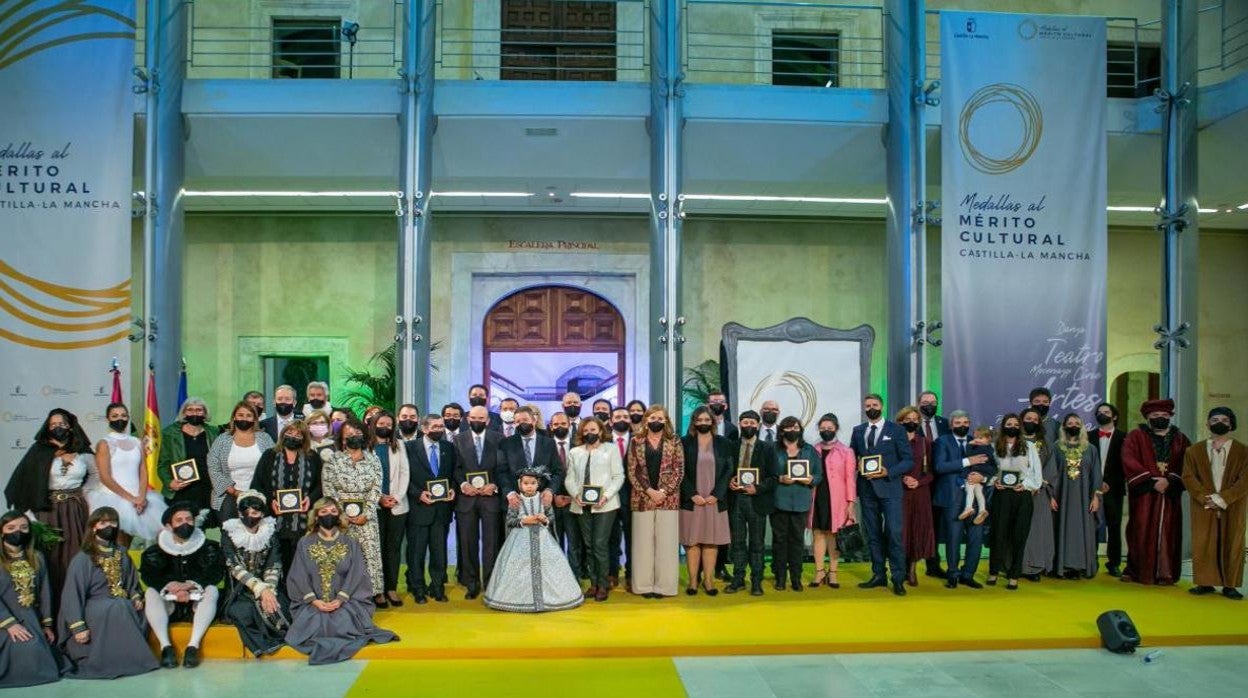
666	126
415	172
1178	221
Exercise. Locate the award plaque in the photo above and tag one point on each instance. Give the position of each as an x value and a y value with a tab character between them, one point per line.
288	501
352	508
872	467
591	494
799	469
439	490
478	480
185	471
1011	478
747	476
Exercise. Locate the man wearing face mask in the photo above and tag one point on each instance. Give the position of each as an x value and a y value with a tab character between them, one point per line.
428	522
956	458
181	572
318	399
749	506
1152	465
284	406
717	403
1041	399
933	426
507	415
1107	439
572	408
478	510
452	420
408	422
602	411
479	396
524	450
621	435
769	414
880	497
1215	473
566	529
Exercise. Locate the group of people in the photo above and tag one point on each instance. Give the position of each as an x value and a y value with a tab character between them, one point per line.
317	508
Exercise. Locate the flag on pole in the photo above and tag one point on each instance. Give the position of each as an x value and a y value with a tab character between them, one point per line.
181	388
116	371
151	429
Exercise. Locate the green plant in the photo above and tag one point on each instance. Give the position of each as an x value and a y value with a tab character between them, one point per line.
365	388
46	537
699	381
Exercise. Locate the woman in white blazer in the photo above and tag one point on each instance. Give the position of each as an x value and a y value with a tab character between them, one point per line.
593	463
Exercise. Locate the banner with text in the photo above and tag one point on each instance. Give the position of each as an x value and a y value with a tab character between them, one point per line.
66	149
1023	266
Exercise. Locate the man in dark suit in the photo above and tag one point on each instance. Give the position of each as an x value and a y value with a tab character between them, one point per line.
717	403
428	522
622	530
479	396
1041	398
933	427
951	461
478	521
566	529
749	506
880	497
572	408
527	448
1108	440
284	406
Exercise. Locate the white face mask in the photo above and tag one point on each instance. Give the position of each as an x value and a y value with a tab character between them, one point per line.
508	416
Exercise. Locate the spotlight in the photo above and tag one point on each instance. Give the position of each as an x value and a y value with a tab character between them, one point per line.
350	30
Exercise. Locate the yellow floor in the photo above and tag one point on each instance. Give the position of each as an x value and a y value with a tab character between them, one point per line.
1048	614
520	678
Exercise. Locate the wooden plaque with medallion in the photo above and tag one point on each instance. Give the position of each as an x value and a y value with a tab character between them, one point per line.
798	469
439	490
872	467
288	501
747	476
477	480
185	470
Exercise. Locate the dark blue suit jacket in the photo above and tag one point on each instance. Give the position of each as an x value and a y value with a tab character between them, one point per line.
892	444
939	424
421	473
948	464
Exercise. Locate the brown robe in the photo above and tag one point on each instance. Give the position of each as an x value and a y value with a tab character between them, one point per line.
1217	535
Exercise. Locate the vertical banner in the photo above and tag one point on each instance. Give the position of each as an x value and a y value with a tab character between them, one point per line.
1023	253
66	150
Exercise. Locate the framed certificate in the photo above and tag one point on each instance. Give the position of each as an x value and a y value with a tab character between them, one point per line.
288	501
352	508
185	471
591	494
872	467
478	480
1011	478
747	476
439	490
798	469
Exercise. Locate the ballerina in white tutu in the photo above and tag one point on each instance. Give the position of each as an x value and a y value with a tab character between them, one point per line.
122	483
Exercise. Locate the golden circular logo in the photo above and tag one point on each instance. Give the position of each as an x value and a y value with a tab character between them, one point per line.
1029	114
791	379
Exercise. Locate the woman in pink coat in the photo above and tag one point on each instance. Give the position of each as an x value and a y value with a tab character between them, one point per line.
833	505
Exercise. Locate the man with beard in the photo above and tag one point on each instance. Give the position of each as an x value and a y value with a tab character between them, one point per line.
409	422
479	396
880	496
622	530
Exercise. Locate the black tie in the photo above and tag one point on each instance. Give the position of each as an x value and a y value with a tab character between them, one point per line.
771	436
962	445
871	437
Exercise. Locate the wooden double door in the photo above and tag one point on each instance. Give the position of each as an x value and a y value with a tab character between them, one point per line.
558	40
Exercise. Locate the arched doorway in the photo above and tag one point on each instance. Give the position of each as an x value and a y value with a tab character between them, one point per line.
543	341
1129	390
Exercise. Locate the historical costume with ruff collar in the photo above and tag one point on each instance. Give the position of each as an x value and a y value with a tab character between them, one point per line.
254	562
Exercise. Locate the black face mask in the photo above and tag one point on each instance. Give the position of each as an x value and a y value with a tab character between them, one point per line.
407	426
770	417
573	411
119	425
17	539
749	432
294	443
1103	419
827	435
435	436
284	408
1159	423
591	438
621	426
961	431
108	534
1042	409
524	429
451	424
702	428
184	531
1011	432
476	401
59	433
928	411
717	408
477	427
635	418
1030	428
356	441
791	436
872	414
243	424
195	420
1072	431
910	427
251	521
316	404
327	521
383	432
560	432
655	427
1220	428
602	416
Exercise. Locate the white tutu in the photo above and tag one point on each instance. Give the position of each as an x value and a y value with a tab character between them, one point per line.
145	525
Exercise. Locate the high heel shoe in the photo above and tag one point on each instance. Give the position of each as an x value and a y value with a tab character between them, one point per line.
832	581
380	601
691	591
394	600
821	576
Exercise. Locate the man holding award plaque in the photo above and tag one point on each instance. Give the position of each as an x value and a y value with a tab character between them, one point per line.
478	509
751	500
430	496
884	455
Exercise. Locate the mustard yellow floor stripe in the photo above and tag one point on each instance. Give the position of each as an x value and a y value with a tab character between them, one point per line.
521	678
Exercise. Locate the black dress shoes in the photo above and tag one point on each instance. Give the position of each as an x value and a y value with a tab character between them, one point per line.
756	589
951	583
1200	591
190	658
873	582
935	571
473	593
899	588
970	582
796	586
1113	571
734	586
439	595
168	657
1232	593
420	598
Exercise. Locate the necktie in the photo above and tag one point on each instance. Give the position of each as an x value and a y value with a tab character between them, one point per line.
433	459
771	435
528	451
477	441
746	454
871	437
1106	434
508	430
927	428
962	447
620	442
563	455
